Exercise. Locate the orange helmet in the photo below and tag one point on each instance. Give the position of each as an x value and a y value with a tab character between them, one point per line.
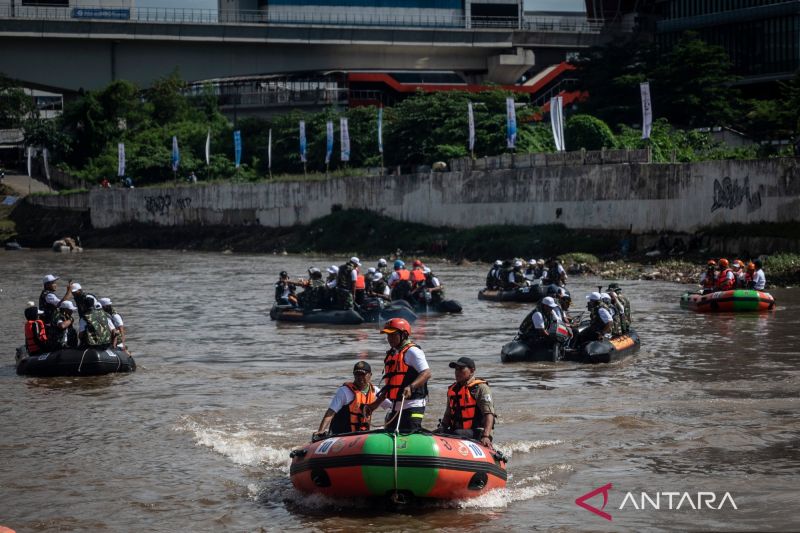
737	263
723	263
751	266
397	324
712	263
417	263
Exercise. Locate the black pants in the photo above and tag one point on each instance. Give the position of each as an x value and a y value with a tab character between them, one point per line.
410	419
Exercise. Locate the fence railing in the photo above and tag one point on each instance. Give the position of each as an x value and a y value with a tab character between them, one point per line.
297	17
557	159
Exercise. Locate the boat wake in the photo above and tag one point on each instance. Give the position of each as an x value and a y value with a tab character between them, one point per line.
524	446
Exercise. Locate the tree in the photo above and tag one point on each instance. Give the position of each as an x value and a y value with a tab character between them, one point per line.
586	131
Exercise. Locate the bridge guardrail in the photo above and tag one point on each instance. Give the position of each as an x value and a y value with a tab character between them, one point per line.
321	17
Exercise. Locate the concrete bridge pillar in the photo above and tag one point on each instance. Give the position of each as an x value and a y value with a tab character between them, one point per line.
506	69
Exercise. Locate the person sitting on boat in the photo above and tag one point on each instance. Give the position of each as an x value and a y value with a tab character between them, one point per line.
48	300
737	266
515	278
378	287
615	291
400	281
600	320
493	277
564	302
417	274
554	273
725	280
360	289
116	320
616	310
531	271
429	290
383	268
285	290
63	326
351	407
84	301
749	272
708	279
535	327
470	411
95	328
36	340
759	278
405	376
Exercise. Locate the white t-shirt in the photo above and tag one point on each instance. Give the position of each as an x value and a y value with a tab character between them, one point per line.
331	284
759	280
52	299
538	319
604	315
344	396
415	358
435	281
117	320
394	278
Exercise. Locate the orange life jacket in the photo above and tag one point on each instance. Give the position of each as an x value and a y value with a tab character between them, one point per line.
398	375
356	418
360	283
35	339
417	276
723	283
403	275
464	413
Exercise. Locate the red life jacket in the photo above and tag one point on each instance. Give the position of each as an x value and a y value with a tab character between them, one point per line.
35	337
357	419
464	412
723	283
360	283
398	375
417	276
403	275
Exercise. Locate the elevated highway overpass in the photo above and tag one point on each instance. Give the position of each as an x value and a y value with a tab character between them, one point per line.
55	50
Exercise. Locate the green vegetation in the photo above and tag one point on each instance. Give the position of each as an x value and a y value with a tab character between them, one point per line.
7	227
782	269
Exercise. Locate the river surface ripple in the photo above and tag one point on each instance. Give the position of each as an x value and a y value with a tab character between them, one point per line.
198	438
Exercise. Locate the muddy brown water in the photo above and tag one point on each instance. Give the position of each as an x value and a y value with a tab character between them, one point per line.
198	439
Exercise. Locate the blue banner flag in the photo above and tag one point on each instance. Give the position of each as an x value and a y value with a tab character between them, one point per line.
237	147
176	155
303	141
329	142
380	129
511	123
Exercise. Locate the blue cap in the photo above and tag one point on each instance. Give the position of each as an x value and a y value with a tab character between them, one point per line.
399	264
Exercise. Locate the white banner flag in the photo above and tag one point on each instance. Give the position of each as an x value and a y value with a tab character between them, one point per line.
471	120
380	130
647	110
208	148
45	157
269	150
303	141
121	159
345	139
511	123
30	155
557	122
328	141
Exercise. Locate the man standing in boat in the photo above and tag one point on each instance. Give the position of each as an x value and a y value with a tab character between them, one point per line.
470	411
405	376
351	407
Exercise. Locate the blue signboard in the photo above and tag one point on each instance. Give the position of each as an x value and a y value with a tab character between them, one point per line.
99	13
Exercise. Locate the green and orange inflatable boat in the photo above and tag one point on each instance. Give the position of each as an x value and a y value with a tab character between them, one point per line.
738	300
427	465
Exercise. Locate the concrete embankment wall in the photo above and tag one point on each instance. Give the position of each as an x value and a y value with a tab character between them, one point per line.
641	197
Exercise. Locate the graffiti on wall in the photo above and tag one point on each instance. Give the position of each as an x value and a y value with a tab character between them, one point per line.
160	205
729	194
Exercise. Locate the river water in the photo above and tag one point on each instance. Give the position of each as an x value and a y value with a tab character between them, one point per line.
198	439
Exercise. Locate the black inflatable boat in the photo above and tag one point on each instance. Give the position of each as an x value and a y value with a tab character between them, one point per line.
74	362
604	351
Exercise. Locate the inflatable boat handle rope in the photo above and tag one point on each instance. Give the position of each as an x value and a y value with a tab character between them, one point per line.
81	363
394	440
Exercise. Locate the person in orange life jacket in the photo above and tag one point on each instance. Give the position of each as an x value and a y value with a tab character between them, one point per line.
285	290
360	287
725	281
470	411
351	407
708	279
400	281
748	274
35	335
417	273
405	376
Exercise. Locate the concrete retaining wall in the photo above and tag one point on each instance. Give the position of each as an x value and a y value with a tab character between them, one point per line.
630	196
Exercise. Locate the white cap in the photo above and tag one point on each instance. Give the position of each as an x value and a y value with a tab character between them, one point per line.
333	269
355	260
594	297
531	261
382	262
371	270
52	299
517	263
67	304
605	296
498	263
75	287
426	270
549	302
105	302
376	276
49	279
540	261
